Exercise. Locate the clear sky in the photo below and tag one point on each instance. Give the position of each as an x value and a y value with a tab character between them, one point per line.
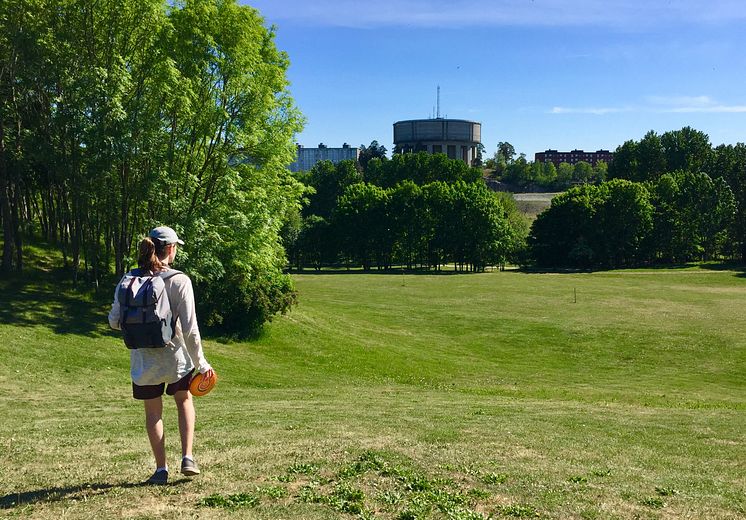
540	74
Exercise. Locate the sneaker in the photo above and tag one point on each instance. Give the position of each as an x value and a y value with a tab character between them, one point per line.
158	478
189	467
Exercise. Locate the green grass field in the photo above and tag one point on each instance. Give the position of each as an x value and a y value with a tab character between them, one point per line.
506	395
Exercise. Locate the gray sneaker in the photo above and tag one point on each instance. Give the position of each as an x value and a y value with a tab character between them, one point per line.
159	478
189	467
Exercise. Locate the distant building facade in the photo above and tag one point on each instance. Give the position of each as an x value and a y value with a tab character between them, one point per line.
308	157
457	138
573	157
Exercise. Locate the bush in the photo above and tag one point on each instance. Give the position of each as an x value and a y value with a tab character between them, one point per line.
241	301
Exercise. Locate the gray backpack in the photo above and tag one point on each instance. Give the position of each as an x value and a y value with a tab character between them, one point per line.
146	317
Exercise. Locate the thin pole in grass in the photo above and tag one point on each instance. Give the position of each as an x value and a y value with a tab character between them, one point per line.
574	295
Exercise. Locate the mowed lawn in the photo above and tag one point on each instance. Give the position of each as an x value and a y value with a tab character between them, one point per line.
507	395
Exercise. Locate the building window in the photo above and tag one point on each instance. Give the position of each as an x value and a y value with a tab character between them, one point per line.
451	151
437	148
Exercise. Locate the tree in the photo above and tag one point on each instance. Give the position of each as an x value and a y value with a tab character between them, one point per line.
686	149
729	162
329	181
370	152
564	174
582	172
692	212
626	162
624	218
600	171
143	112
505	152
651	158
361	223
564	234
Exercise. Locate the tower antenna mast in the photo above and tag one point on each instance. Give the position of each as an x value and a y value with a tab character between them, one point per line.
438	97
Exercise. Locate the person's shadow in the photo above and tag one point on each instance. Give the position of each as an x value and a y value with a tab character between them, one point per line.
55	494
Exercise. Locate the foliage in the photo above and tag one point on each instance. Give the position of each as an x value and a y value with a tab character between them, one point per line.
137	113
681	217
686	150
422	210
373	151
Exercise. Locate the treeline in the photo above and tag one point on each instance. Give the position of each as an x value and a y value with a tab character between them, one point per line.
528	174
415	210
673	198
117	116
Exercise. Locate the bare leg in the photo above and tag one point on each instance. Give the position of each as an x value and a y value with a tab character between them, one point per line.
154	426
185	409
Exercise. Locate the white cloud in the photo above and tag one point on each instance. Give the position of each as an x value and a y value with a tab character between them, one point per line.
589	110
485	13
695	101
660	105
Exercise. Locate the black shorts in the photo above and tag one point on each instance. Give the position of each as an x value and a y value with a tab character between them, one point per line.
153	391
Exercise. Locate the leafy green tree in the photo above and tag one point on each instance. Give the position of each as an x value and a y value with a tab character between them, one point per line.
600	171
406	210
316	244
422	168
624	218
564	235
692	213
626	162
686	149
374	150
329	181
729	162
518	172
505	152
143	112
651	158
564	174
361	222
582	172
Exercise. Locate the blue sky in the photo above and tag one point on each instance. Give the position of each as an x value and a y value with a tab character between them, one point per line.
537	73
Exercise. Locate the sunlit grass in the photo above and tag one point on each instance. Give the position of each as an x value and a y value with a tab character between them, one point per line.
600	395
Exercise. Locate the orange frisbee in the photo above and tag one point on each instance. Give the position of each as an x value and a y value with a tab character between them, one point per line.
201	385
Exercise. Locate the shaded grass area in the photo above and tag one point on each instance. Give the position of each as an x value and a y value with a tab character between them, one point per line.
400	396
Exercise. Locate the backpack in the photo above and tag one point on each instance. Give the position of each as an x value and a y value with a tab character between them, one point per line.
146	318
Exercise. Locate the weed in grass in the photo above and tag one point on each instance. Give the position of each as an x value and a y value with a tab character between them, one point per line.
416	483
346	499
465	514
479	493
367	461
230	501
310	494
577	479
601	473
389	497
666	491
418	508
654	502
301	468
494	478
273	492
445	501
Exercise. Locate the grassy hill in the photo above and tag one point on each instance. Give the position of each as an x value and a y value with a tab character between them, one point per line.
605	395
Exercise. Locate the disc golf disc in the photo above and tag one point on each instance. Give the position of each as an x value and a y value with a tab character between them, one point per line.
201	385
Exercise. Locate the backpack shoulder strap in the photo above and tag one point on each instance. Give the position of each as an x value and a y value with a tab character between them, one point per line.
170	274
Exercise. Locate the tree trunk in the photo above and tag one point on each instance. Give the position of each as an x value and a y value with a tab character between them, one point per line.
7	261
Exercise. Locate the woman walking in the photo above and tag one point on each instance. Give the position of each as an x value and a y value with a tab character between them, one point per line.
170	367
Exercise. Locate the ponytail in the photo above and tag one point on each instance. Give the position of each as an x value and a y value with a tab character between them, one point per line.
150	254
